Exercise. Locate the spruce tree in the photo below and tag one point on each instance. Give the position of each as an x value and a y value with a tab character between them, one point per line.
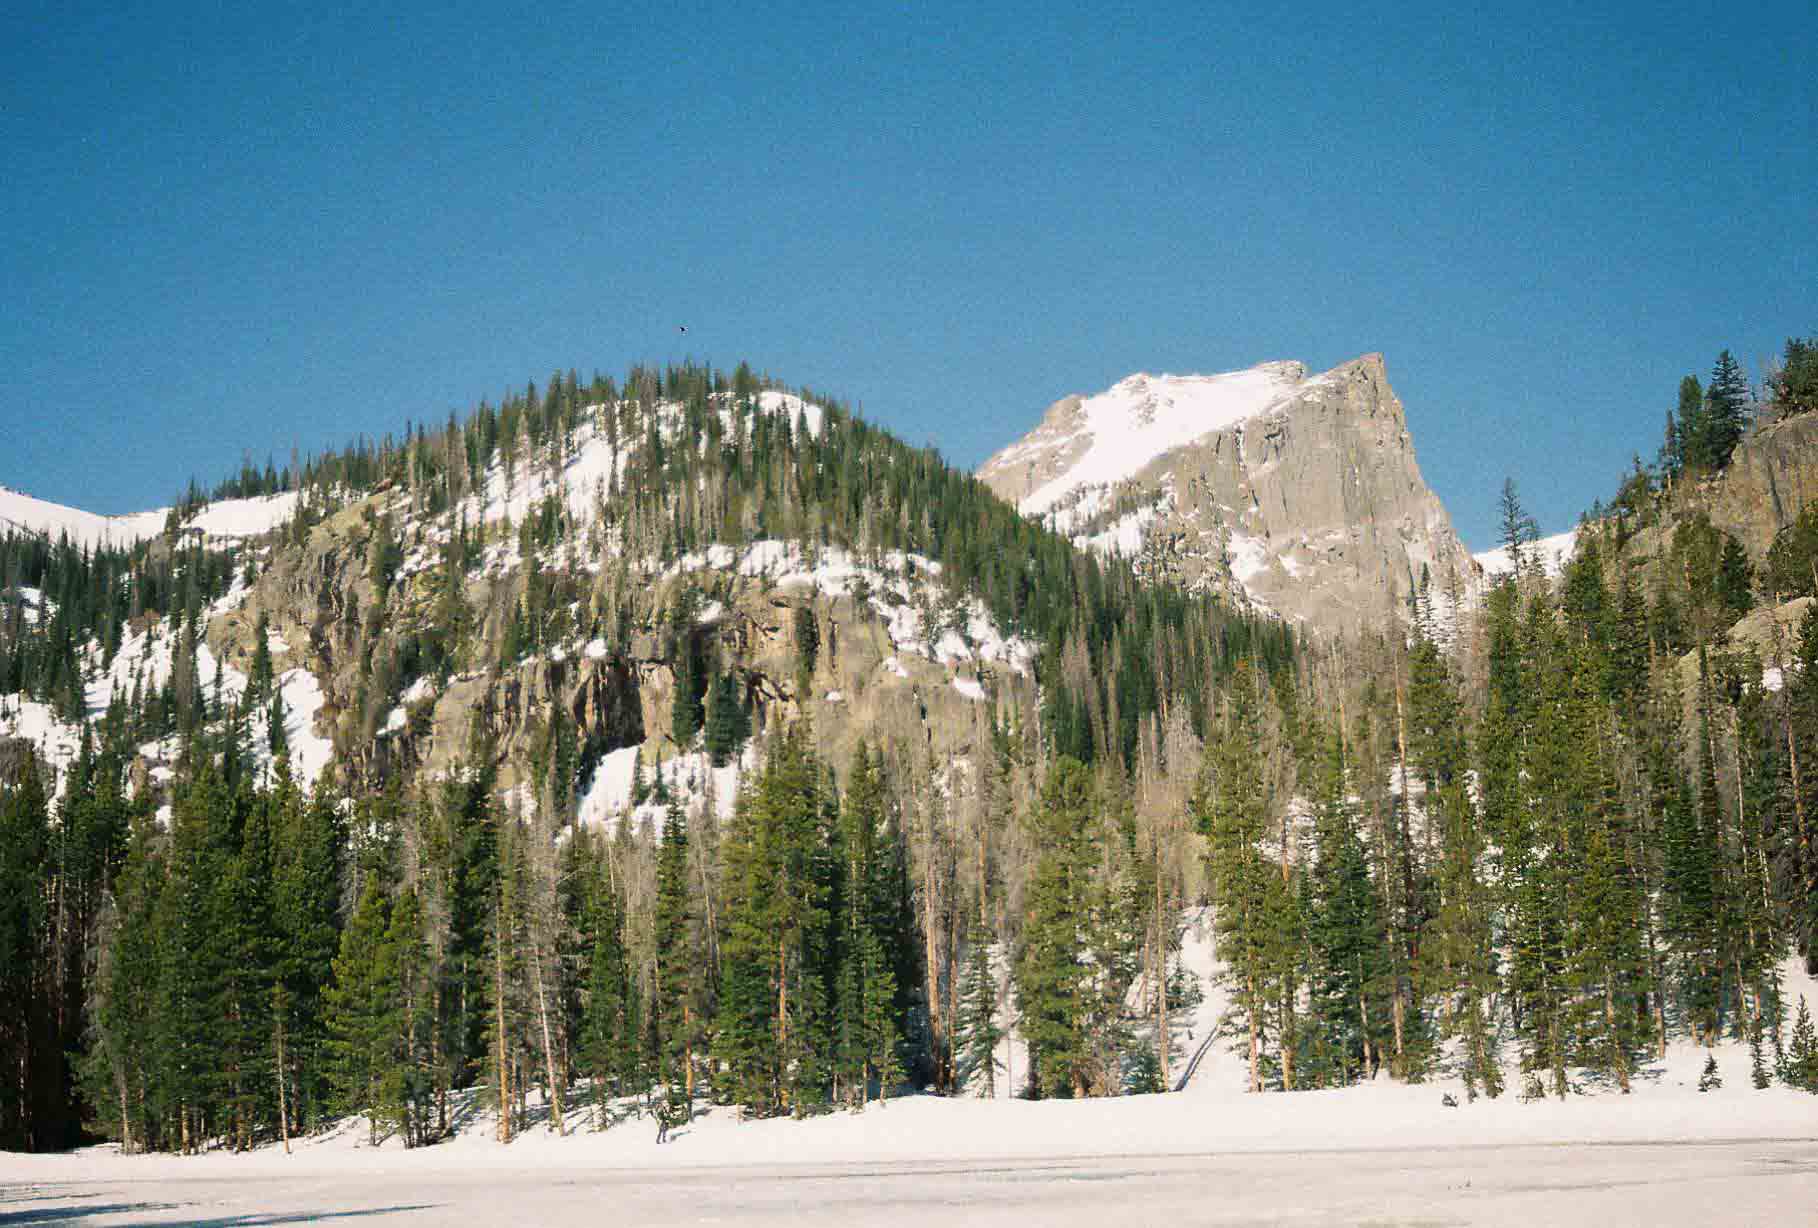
24	952
1801	1064
1350	974
980	1032
1050	976
727	726
1232	806
776	915
673	1019
1726	404
685	716
362	1013
1693	435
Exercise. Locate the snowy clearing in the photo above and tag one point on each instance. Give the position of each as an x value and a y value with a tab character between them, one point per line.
1554	553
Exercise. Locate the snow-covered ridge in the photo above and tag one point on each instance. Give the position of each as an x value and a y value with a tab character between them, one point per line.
225	519
1142	417
1553	552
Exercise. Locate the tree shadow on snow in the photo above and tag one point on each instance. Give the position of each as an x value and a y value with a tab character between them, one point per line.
64	1215
73	1214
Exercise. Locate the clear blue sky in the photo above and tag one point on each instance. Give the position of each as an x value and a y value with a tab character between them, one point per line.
226	231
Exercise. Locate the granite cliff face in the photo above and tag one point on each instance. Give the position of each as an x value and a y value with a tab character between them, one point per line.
1296	493
1773	474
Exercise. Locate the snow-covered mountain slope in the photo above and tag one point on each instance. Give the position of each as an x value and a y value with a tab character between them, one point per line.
1553	552
1296	493
1100	440
229	518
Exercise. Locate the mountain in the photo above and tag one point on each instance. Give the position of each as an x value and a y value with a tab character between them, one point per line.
569	566
1297	493
224	519
699	740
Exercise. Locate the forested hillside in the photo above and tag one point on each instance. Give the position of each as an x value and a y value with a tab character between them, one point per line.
974	781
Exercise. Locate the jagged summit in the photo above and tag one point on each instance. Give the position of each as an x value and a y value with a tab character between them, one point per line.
1296	492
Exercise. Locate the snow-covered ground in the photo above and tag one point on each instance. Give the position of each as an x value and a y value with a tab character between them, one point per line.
691	777
225	519
1699	1183
1145	416
1554	553
1381	1154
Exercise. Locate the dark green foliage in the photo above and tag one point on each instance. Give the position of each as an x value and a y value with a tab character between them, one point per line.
1686	432
1794	387
772	993
1050	974
690	684
675	1013
980	1032
1713	432
807	646
862	952
1792	561
728	723
1256	913
28	1083
1802	1053
610	1038
1348	985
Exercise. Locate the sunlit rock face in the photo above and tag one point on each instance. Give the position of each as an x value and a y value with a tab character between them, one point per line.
1296	493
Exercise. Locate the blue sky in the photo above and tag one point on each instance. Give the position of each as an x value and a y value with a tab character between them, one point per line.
229	231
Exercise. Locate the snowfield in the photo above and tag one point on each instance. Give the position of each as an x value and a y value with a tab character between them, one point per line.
1145	416
1554	553
1375	1155
223	520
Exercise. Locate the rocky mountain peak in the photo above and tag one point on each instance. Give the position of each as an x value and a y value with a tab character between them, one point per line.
1294	492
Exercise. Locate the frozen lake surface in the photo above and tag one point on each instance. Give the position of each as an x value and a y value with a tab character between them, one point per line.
1689	1182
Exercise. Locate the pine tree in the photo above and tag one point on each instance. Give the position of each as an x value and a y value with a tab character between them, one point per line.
865	1011
685	716
1347	1000
24	943
608	1034
259	681
1726	410
363	1014
727	726
807	635
775	912
1252	903
980	1033
1802	1053
673	1019
1693	435
1050	977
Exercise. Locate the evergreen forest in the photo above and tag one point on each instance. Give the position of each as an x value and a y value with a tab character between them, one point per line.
1524	839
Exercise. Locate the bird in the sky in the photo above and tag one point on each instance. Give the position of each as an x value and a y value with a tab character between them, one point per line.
682	327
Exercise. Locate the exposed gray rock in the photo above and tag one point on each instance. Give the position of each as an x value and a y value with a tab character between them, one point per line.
1300	494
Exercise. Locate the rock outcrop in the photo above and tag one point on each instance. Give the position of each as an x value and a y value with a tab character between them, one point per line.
1772	475
1297	493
